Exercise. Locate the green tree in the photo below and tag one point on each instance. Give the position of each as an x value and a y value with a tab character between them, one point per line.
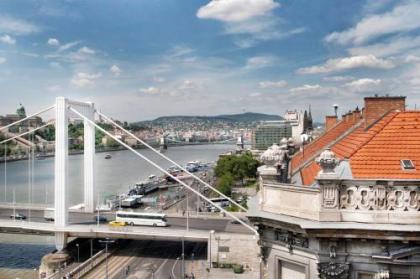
239	167
224	184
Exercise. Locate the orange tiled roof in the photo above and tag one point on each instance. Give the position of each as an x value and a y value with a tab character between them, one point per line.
321	143
381	156
348	146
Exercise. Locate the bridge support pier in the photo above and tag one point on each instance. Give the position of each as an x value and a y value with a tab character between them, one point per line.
61	162
89	157
60	240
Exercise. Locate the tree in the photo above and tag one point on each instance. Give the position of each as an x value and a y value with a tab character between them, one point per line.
239	167
224	184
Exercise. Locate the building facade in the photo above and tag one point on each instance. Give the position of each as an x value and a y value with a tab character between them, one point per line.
270	132
350	208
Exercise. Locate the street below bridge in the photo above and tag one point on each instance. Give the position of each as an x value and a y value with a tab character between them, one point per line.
151	259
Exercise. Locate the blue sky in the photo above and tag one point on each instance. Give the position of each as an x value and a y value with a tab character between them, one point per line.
142	59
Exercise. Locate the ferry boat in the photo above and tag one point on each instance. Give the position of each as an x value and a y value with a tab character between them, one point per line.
151	184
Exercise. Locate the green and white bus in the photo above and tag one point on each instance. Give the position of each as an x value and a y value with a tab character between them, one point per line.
142	218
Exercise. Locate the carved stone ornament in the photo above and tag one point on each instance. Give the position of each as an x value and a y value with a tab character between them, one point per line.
333	270
327	161
273	156
379	197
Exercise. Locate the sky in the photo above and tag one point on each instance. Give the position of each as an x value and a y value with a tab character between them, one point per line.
138	60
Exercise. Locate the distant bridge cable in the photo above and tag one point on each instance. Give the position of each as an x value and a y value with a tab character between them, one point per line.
162	170
28	132
26	118
173	162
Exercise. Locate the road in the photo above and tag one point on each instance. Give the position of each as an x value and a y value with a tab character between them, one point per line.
145	259
201	223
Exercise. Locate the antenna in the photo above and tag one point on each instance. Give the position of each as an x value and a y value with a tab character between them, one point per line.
335	106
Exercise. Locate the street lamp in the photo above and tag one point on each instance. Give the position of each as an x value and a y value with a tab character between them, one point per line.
78	252
106	241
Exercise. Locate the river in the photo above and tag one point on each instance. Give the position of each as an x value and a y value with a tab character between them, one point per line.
19	254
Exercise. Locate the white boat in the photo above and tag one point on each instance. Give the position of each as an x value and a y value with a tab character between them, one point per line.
151	184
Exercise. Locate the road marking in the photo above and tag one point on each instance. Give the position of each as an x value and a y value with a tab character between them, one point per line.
160	267
173	268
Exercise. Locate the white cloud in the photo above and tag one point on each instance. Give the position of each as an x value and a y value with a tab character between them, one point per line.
150	90
16	26
68	46
250	21
86	50
338	78
2	60
159	79
347	63
82	79
6	39
53	42
306	87
363	85
54	88
255	94
272	84
115	70
55	65
393	47
402	18
258	62
188	85
236	10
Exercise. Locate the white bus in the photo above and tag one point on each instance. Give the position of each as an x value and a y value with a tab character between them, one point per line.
142	218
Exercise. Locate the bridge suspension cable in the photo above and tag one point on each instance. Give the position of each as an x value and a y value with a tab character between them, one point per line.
26	118
170	160
28	132
162	169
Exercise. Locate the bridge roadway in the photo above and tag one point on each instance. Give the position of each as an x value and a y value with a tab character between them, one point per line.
83	225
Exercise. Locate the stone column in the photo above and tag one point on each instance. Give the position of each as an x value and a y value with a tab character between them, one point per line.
89	159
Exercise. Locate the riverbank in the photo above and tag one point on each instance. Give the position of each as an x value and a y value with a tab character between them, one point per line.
42	155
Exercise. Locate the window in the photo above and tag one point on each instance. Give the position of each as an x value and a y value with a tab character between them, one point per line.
407	164
224	249
287	270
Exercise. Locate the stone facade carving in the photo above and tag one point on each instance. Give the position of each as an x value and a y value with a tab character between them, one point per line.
333	270
379	197
329	196
291	240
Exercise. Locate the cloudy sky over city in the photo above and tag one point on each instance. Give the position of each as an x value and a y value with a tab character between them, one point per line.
143	59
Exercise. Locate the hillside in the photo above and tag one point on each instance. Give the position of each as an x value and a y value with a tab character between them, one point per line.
242	118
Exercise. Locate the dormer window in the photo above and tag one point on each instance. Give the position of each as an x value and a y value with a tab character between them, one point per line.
407	164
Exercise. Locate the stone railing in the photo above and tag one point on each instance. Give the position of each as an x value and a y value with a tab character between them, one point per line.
289	199
343	201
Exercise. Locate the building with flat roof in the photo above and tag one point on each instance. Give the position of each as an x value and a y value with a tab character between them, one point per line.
270	132
349	207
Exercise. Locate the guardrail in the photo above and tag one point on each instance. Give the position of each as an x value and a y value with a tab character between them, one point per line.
88	265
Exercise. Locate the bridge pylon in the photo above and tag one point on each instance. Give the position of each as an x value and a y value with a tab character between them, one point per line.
61	189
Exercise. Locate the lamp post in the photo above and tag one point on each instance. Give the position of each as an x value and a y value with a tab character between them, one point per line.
106	241
78	252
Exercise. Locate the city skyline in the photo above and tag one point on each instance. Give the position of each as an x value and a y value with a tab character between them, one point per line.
141	60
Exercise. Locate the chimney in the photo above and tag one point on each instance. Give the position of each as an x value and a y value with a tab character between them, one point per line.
330	121
378	106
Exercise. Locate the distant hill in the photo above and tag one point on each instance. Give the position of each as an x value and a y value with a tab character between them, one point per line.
246	118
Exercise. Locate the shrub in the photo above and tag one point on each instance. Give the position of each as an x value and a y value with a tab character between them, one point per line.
238	268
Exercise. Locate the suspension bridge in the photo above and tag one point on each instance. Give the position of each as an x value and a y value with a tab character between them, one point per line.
68	223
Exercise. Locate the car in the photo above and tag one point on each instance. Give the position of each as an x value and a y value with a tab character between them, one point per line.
101	219
117	224
236	222
18	216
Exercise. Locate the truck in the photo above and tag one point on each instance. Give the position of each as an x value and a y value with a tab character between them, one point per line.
129	202
49	214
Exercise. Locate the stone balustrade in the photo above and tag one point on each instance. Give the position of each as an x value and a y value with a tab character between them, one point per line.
345	201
